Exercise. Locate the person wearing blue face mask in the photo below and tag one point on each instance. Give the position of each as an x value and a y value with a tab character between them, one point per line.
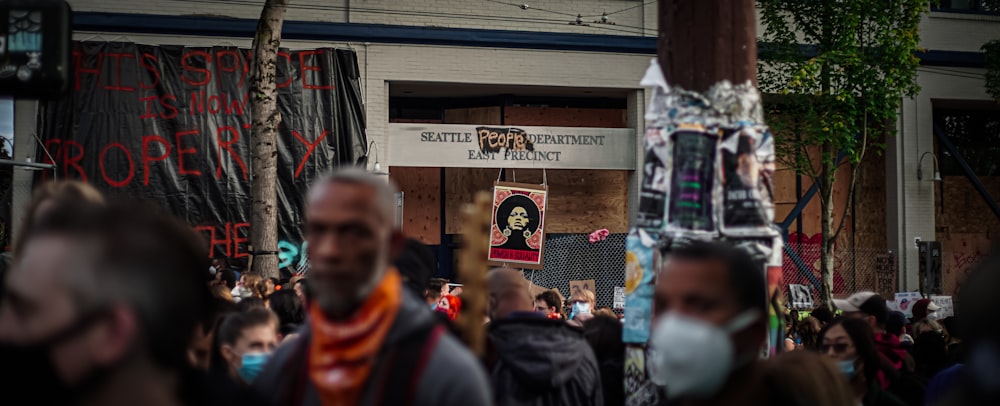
850	342
582	305
244	343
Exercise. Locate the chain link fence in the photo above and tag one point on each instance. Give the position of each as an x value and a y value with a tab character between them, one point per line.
572	257
854	270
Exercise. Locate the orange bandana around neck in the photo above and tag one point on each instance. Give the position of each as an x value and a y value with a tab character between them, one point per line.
342	353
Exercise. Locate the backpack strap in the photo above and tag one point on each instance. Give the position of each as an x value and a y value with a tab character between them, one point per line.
403	366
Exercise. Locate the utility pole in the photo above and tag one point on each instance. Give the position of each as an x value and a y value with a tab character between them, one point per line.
705	113
703	42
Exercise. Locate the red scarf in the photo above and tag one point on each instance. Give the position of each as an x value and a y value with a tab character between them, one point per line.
342	354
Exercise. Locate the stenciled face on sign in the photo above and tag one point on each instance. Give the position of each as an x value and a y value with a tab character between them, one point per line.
518	233
517	218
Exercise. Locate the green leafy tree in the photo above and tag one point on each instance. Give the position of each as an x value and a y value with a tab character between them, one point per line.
992	50
840	69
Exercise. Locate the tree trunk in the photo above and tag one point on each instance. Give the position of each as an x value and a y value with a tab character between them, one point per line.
827	178
264	138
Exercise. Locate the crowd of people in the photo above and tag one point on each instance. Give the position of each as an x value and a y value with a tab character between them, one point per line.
118	303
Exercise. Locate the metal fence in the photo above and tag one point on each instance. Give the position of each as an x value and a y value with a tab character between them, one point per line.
570	257
854	270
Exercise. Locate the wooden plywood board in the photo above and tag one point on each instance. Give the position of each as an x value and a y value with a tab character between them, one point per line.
416	120
960	208
784	186
812	213
580	201
960	253
869	203
421	189
565	117
460	186
473	115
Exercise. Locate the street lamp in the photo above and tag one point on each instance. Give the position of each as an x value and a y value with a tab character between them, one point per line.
920	170
377	167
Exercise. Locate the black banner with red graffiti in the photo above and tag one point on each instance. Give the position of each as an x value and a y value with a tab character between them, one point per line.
172	124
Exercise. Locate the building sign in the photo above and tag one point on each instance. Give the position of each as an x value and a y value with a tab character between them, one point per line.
518	231
486	146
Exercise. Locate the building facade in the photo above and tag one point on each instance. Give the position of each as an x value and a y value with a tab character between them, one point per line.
572	67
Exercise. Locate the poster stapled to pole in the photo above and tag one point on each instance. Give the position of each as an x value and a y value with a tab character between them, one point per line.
747	207
691	207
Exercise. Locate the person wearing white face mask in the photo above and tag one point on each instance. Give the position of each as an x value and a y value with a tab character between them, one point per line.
709	325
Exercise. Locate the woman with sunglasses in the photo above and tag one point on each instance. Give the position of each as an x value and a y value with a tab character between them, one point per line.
851	343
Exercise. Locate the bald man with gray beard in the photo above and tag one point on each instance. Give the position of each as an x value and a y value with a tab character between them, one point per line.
536	360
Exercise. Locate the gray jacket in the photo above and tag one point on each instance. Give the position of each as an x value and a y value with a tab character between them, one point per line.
450	376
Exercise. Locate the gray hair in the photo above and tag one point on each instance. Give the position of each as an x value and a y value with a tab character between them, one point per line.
385	190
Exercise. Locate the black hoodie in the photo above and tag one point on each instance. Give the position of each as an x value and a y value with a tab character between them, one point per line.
543	362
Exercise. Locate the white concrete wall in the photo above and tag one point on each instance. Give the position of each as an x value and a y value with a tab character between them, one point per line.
497	66
939	31
910	202
550	15
958	32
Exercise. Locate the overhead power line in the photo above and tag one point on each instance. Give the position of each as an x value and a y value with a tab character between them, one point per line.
525	6
431	14
624	9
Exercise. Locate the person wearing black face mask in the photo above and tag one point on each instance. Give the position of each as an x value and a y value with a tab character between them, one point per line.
99	306
37	362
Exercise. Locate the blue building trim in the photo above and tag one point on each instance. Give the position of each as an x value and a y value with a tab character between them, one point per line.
399	34
376	33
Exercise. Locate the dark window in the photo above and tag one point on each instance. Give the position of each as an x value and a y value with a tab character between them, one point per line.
976	135
968	6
